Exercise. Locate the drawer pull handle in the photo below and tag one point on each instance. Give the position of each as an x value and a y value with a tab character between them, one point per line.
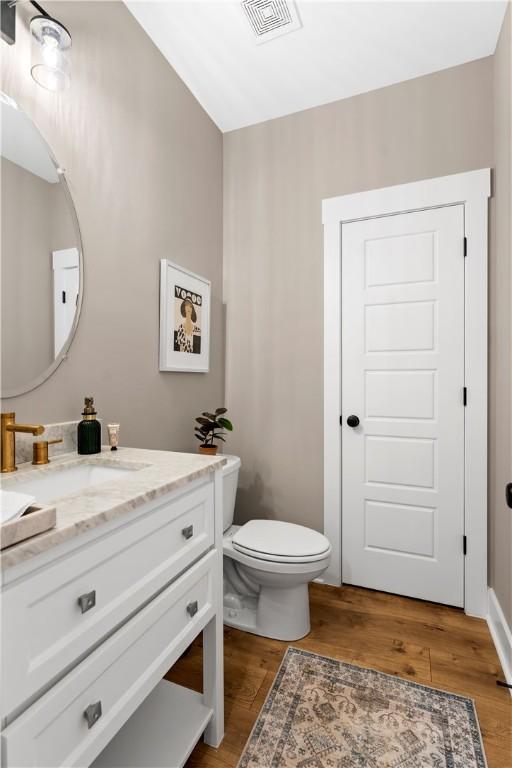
93	713
87	601
192	608
188	532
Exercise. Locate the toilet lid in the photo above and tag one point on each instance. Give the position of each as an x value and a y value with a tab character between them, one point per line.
281	542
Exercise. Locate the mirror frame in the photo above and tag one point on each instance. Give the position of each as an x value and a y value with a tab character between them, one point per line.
48	372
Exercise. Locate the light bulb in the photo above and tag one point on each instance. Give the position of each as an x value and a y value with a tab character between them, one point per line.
51	53
49	41
50	57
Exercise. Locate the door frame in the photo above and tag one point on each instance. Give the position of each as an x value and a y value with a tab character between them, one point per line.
472	189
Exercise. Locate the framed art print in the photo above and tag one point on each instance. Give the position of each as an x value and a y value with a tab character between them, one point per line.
184	319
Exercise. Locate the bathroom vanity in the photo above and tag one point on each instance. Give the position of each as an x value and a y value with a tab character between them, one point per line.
96	610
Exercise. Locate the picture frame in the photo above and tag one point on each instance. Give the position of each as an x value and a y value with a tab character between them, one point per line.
184	319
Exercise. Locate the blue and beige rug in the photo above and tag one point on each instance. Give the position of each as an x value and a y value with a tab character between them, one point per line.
324	713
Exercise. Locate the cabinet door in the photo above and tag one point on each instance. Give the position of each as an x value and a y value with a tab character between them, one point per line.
55	615
72	723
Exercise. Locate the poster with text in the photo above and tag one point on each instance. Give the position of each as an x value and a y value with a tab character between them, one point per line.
184	319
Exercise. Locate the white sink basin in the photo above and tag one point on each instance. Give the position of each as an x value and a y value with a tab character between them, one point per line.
69	480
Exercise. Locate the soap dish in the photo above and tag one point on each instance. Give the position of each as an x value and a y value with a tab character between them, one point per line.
36	519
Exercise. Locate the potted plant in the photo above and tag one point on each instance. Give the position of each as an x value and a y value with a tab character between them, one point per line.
212	427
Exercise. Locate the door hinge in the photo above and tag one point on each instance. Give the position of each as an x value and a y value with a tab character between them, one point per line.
465	247
465	395
465	544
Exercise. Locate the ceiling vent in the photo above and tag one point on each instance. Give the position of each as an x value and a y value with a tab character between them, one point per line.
271	18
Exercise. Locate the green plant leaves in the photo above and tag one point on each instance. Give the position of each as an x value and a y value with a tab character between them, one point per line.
210	426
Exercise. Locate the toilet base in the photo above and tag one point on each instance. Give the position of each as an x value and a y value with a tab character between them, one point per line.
243	618
280	614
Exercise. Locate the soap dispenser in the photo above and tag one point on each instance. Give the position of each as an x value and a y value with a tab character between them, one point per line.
89	430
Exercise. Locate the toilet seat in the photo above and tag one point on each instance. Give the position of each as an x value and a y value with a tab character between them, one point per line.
279	542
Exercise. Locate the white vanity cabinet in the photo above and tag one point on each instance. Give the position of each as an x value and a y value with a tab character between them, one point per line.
90	627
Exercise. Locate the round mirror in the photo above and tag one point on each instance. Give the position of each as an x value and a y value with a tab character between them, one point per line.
41	268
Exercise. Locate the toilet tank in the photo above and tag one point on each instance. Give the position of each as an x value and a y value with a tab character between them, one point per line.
230	484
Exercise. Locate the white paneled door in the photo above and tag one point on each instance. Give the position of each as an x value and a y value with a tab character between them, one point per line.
403	406
66	289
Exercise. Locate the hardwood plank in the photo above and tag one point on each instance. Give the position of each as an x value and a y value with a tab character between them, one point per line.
356	624
475	679
263	693
432	644
242	678
389	655
370	601
206	757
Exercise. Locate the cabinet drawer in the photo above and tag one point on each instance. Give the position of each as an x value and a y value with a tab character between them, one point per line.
110	683
57	614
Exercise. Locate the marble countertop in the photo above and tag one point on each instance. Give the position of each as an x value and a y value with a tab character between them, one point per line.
157	473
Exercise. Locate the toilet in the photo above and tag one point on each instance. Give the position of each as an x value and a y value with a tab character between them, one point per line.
267	567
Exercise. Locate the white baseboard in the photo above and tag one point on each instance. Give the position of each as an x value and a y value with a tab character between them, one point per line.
325	580
501	635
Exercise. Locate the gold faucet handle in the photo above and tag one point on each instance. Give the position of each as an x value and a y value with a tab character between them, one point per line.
40	450
32	429
8	434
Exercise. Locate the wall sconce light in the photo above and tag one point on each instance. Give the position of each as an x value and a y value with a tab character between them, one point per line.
50	45
51	53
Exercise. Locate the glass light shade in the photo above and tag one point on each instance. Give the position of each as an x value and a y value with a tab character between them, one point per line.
51	53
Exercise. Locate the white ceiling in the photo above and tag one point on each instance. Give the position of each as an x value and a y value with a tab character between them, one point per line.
343	48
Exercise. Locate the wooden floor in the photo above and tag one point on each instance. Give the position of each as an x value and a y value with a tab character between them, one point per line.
425	642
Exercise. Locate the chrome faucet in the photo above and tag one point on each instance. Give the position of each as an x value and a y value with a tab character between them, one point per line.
9	429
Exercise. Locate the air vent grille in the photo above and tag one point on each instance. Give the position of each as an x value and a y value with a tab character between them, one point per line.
271	18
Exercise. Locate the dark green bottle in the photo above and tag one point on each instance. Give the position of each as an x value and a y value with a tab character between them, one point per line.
89	429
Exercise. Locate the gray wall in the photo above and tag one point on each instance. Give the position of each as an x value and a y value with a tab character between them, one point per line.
144	165
500	321
35	221
275	177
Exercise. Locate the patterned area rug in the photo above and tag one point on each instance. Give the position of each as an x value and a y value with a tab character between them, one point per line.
323	713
